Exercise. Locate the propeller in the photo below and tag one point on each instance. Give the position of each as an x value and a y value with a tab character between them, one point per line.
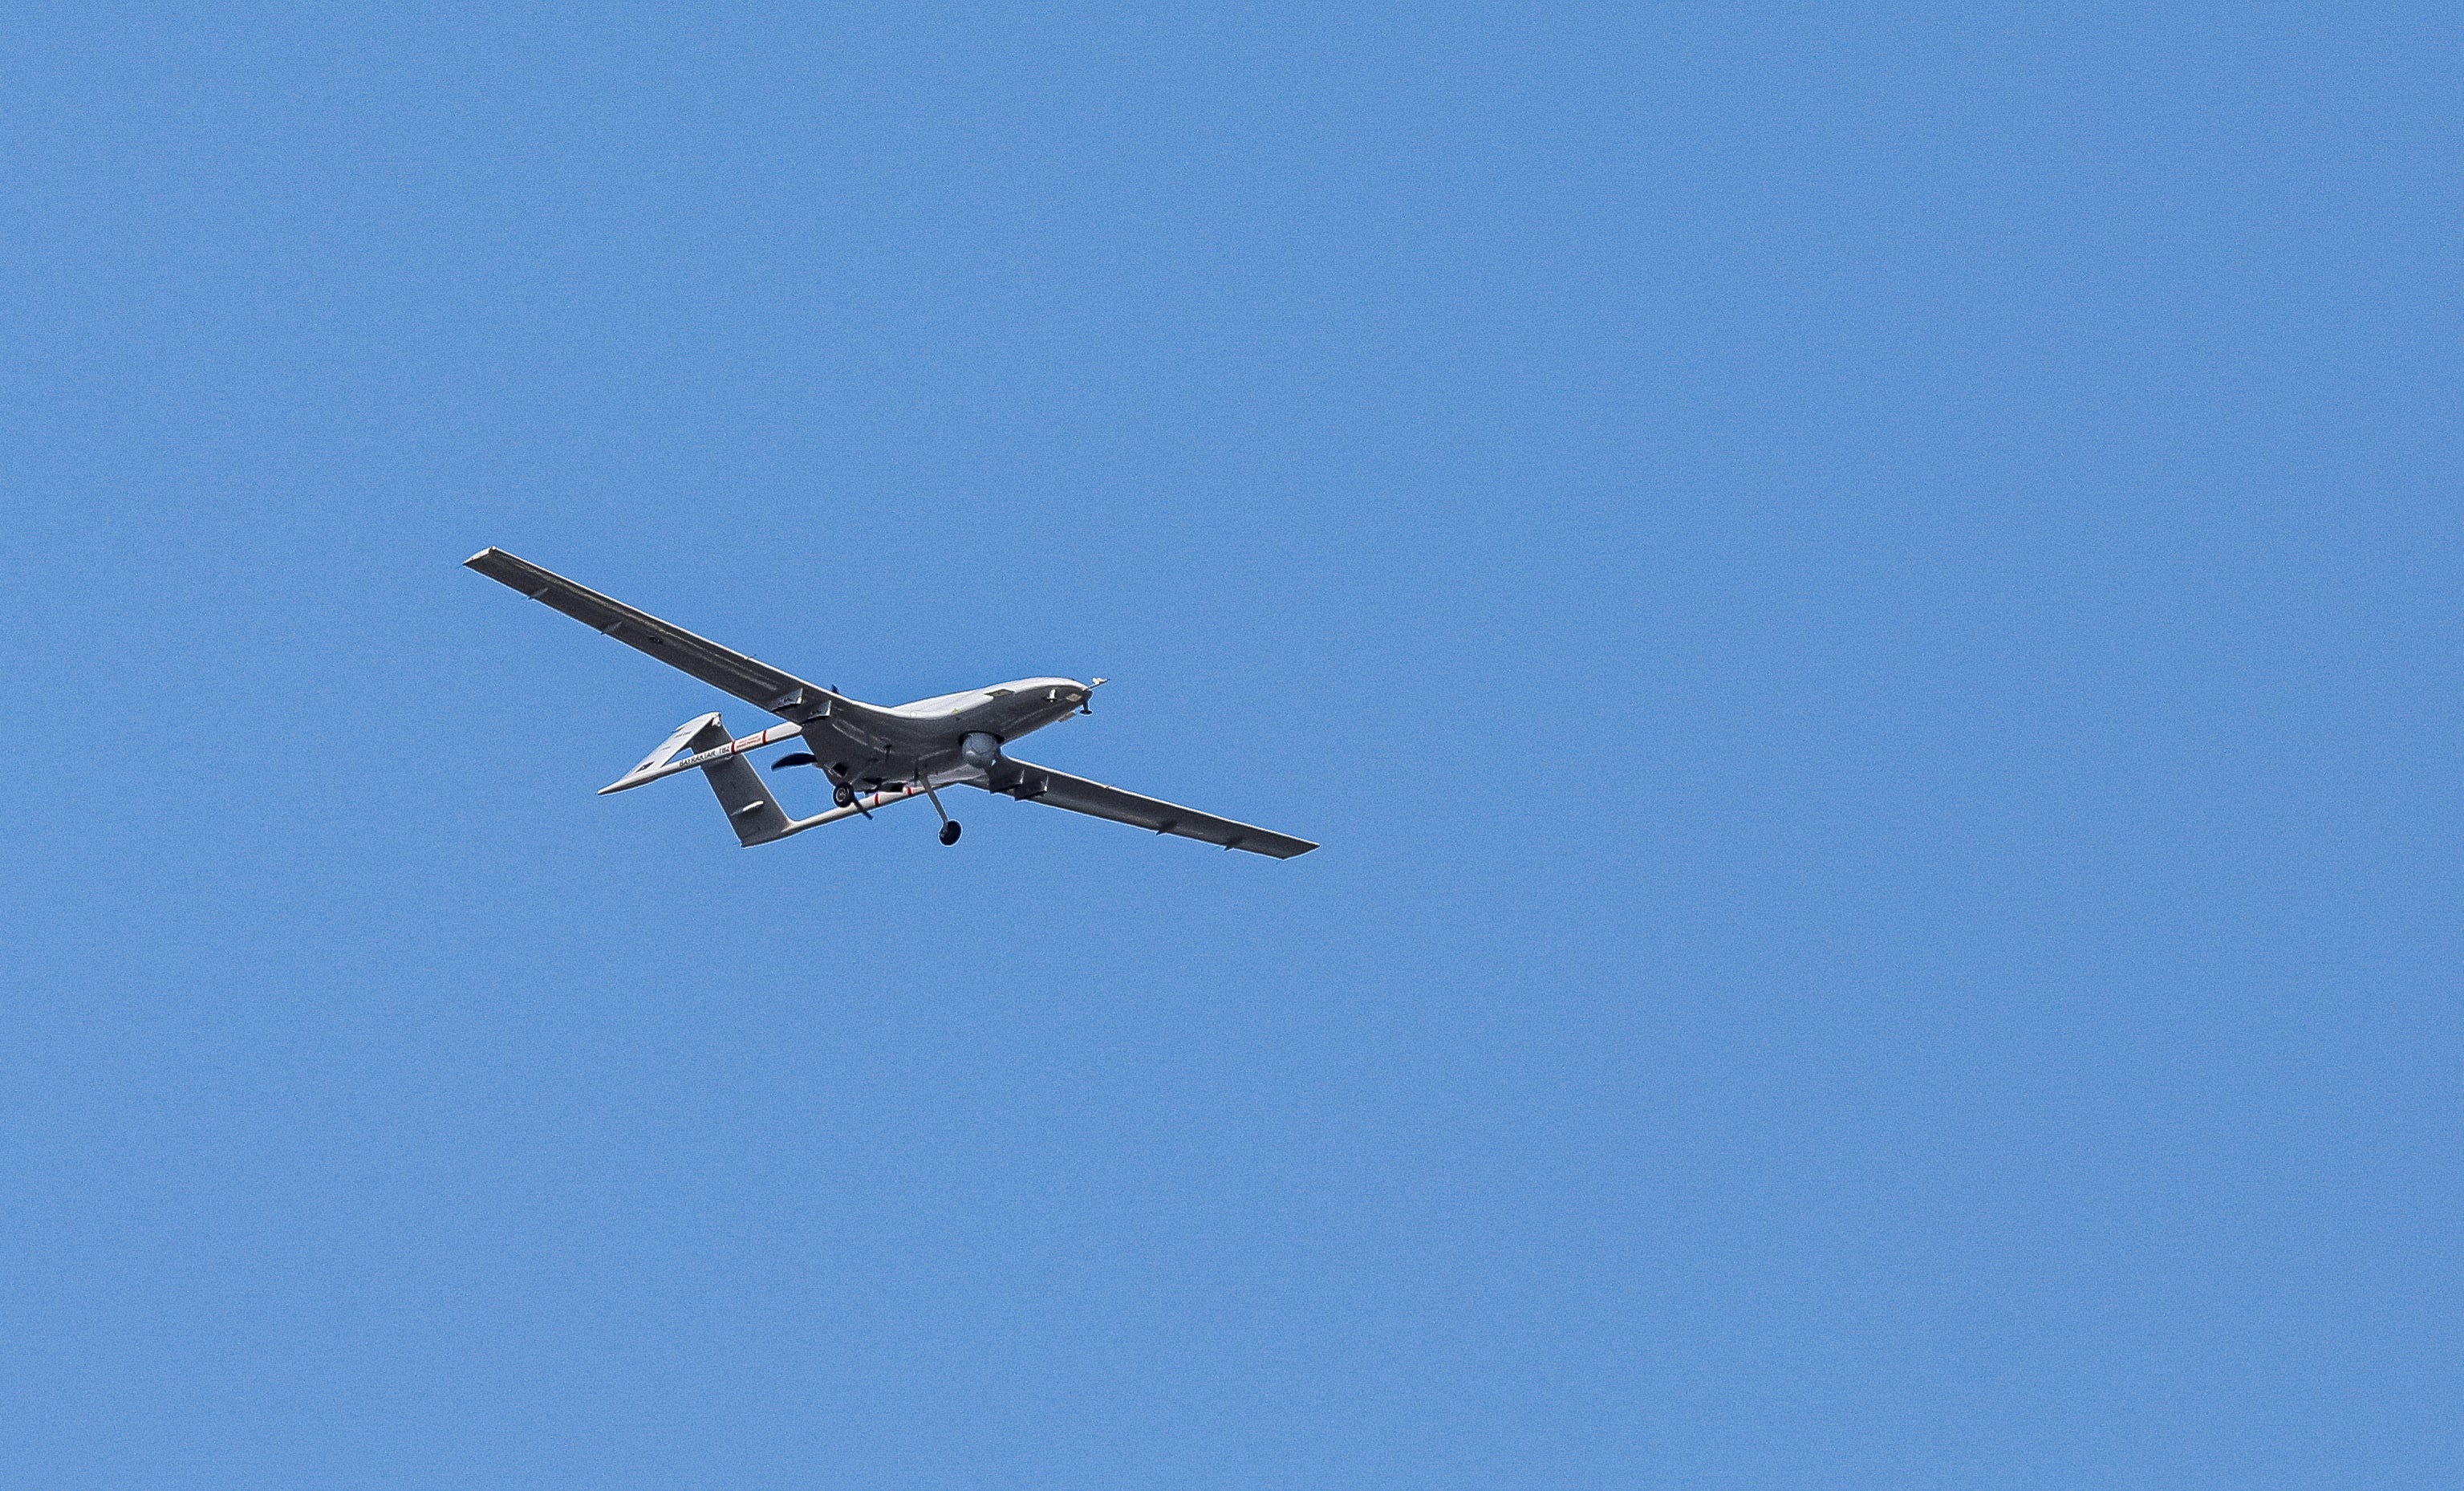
793	758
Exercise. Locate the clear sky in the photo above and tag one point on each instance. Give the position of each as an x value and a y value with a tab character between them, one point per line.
1863	600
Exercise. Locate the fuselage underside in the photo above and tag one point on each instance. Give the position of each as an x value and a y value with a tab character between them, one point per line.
923	740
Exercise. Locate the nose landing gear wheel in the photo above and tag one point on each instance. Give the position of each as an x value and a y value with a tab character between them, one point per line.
950	831
843	795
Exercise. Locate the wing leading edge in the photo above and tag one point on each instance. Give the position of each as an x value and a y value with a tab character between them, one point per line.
1029	783
757	683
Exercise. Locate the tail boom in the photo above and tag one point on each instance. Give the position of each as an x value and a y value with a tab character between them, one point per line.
663	762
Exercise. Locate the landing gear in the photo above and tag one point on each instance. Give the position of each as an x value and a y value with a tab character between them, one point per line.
949	825
843	795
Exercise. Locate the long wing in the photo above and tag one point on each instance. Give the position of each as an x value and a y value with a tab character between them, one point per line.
1029	783
756	683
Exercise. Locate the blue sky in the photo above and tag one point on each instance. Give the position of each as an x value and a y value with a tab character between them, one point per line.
1862	600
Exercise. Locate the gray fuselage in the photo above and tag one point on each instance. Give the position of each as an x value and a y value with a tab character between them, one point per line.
924	739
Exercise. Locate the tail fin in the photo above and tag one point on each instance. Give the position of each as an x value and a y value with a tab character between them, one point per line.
751	810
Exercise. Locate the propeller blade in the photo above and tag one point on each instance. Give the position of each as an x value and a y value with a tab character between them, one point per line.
793	758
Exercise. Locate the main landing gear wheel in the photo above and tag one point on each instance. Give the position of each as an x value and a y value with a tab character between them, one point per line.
843	795
949	825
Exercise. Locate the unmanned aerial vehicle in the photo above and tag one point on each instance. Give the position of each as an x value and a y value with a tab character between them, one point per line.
874	756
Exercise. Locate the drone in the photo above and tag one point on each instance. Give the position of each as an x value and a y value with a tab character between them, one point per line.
874	754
